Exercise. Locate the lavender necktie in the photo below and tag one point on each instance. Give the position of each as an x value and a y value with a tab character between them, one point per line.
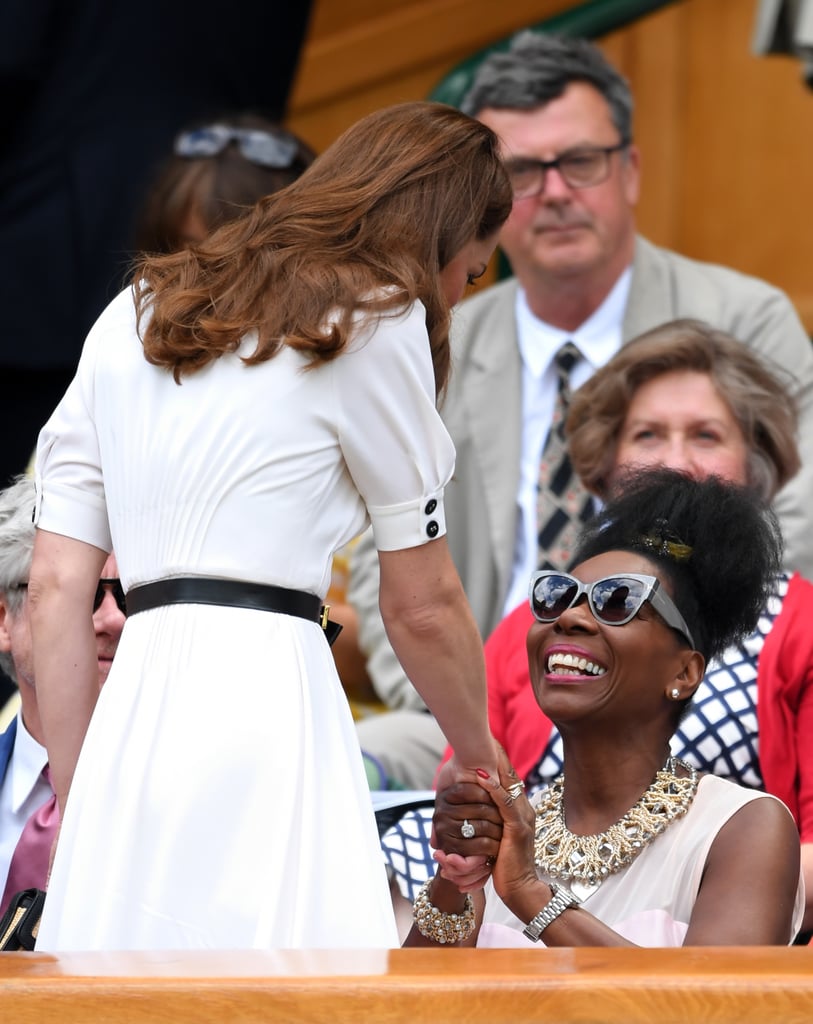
32	854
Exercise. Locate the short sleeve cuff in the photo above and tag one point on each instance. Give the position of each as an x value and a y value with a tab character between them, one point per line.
72	513
410	524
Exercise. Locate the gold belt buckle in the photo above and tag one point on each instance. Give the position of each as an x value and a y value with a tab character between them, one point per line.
324	615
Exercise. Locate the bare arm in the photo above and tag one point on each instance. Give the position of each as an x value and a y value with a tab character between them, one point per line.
431	628
746	895
448	900
749	885
514	871
386	674
64	574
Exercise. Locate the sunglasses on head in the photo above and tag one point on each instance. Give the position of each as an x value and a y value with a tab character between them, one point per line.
613	601
116	590
257	146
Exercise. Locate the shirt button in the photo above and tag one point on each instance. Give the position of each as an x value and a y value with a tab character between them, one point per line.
432	528
431	505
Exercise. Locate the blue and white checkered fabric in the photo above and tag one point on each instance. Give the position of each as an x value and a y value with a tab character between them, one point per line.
408	851
719	733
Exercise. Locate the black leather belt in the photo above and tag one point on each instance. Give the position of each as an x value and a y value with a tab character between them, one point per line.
232	594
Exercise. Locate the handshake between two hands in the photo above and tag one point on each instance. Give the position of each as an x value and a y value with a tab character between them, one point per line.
482	825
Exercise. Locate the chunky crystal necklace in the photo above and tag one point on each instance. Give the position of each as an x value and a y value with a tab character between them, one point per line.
585	861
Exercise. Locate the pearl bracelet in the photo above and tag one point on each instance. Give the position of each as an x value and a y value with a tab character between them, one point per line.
437	924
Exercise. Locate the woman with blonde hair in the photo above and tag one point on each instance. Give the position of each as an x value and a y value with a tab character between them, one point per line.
239	414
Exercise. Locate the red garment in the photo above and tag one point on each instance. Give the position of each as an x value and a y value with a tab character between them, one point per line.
784	701
785	705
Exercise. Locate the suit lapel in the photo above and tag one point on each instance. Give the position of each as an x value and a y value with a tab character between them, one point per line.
6	747
650	301
493	397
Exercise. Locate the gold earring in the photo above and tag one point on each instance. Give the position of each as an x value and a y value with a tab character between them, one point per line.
675	694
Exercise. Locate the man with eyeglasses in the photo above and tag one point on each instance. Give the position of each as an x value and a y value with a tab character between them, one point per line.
583	279
24	788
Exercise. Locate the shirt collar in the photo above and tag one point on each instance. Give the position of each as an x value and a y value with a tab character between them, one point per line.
598	338
28	759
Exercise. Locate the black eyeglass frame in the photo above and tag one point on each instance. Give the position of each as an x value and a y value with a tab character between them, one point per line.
560	164
652	592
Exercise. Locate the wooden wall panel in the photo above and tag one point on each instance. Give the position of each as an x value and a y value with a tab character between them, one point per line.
363	54
651	55
725	136
749	156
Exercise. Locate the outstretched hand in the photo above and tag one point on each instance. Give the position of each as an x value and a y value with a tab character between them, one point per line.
514	866
466	832
469	826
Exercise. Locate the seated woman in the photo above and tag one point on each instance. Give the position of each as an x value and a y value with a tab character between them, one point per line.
688	396
631	845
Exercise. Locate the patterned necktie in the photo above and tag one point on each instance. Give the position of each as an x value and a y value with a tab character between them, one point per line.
29	863
563	504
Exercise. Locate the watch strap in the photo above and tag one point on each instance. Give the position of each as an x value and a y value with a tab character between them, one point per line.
559	902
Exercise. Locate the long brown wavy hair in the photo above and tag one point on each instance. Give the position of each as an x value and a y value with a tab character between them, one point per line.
367	227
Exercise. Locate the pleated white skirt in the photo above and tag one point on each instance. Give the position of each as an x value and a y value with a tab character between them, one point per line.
220	799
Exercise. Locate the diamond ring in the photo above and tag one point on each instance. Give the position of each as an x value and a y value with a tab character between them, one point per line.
467	829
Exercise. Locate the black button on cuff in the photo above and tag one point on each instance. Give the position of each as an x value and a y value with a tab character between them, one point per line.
431	505
432	528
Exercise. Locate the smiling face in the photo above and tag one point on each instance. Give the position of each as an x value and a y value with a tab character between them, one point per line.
565	232
578	664
679	420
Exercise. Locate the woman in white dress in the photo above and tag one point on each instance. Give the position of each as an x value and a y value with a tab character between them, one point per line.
629	845
241	412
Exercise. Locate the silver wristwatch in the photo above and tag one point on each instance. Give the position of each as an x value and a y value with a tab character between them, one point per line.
562	899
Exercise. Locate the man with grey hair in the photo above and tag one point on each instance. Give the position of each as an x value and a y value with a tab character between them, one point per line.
584	284
24	787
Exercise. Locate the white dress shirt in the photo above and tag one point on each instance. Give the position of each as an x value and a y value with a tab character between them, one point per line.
598	339
22	791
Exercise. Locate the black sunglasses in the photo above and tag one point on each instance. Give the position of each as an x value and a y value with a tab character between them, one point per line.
614	600
116	590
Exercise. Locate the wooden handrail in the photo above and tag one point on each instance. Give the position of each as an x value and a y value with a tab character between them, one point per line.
748	985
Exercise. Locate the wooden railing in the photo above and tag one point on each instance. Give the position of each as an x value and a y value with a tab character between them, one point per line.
697	985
